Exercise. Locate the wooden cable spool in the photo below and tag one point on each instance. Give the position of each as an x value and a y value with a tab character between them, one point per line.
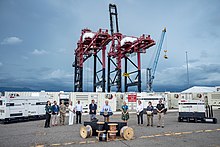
112	126
99	133
103	137
112	131
85	131
112	135
100	129
127	133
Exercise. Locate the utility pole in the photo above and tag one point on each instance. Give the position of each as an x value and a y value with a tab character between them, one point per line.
149	79
187	69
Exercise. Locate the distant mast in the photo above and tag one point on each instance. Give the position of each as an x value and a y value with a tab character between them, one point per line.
187	69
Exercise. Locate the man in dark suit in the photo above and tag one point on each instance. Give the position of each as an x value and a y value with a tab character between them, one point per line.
92	110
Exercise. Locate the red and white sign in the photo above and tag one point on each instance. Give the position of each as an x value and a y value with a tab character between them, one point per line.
132	97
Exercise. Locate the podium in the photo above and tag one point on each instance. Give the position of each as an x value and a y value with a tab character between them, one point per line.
106	115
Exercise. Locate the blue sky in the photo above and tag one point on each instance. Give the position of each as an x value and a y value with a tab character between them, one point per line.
38	39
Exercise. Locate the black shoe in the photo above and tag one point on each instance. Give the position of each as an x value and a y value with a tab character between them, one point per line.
151	125
45	127
158	126
77	123
147	124
162	127
80	123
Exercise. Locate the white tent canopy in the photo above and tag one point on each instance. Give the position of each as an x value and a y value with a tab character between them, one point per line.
200	89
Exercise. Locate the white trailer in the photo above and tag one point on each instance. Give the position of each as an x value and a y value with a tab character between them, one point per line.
64	96
15	107
173	99
196	110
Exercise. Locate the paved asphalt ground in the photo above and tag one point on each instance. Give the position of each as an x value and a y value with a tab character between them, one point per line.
182	134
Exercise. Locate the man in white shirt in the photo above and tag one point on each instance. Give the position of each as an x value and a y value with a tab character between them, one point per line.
106	109
139	110
78	109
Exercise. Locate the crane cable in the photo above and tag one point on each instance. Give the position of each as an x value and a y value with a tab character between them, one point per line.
165	48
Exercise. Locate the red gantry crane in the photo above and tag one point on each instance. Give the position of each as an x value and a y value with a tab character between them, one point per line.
122	46
91	43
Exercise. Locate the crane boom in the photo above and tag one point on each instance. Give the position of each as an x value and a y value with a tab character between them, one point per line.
158	52
151	71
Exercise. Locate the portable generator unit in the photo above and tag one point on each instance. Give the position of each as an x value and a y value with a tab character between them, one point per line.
195	111
22	108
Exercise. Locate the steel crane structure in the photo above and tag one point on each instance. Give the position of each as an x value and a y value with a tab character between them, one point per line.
91	43
151	71
114	76
122	46
139	45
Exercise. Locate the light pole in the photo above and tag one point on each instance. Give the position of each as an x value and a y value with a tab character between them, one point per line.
187	69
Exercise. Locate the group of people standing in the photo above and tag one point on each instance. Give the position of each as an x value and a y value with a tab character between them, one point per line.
149	110
160	108
53	111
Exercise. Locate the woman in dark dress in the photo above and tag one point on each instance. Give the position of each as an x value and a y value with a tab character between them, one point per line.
48	109
125	114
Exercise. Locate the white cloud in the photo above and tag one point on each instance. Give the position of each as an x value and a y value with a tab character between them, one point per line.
199	74
39	52
58	74
11	40
172	76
